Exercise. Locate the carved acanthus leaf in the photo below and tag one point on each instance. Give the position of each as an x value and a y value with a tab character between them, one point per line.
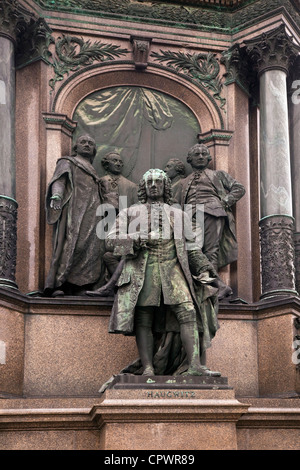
202	68
72	53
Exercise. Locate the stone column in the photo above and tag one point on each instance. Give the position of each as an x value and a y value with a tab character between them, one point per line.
8	206
272	54
294	108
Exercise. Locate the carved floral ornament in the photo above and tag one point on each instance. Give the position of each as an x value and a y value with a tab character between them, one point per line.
200	67
73	54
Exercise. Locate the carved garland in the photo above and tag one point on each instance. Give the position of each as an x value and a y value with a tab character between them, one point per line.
73	53
200	67
277	244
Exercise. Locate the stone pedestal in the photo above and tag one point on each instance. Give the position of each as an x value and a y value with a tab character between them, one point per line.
130	381
56	353
170	416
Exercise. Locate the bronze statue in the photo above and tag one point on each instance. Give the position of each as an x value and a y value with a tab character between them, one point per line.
114	184
218	192
72	199
165	285
175	170
113	187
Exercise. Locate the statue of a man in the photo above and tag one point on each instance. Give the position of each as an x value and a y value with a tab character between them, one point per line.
175	170
72	199
113	186
158	276
218	192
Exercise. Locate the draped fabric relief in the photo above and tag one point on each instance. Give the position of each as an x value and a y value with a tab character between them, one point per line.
145	126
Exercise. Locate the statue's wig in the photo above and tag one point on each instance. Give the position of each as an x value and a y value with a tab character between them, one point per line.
155	172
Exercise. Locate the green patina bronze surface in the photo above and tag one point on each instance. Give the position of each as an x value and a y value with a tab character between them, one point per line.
141	124
182	14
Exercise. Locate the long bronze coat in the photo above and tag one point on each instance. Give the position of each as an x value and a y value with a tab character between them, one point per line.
230	191
131	279
77	251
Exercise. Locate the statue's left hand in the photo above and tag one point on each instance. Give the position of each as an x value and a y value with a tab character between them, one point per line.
204	278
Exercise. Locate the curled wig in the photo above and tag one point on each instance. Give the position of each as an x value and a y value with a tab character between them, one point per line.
142	196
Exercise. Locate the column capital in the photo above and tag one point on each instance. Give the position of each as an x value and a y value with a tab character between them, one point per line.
236	62
12	18
33	42
271	50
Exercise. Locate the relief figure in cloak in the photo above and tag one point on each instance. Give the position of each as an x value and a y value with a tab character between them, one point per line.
72	199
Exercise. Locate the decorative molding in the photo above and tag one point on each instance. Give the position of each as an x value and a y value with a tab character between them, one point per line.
297	259
8	241
203	14
272	50
201	68
141	48
215	137
33	43
60	122
277	255
73	53
224	4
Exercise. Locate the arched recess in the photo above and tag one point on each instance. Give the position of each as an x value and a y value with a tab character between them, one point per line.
145	126
100	77
84	83
59	120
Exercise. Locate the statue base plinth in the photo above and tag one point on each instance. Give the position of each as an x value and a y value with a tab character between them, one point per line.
168	413
131	381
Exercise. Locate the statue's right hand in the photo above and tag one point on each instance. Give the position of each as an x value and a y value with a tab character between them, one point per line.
55	204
